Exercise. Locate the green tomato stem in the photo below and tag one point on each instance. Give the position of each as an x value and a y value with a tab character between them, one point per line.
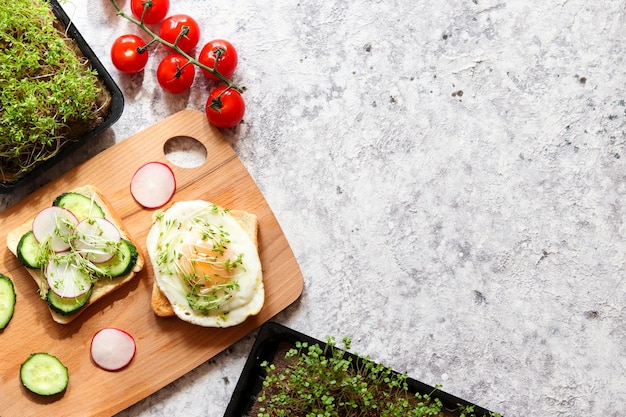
174	46
179	70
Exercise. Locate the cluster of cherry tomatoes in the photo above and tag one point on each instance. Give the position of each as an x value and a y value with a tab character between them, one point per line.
180	33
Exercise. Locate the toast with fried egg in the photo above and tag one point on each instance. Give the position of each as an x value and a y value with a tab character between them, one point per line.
161	305
102	284
164	283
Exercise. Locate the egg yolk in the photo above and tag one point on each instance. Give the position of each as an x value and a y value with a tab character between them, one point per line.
203	265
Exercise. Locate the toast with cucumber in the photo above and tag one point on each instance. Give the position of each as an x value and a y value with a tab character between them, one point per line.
77	251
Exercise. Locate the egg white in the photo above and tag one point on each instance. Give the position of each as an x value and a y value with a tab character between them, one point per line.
177	226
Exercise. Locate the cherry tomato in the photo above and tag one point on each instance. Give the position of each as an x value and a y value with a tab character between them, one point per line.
225	107
172	27
126	56
173	75
221	51
156	10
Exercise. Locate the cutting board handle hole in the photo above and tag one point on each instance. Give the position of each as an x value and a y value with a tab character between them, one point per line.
185	151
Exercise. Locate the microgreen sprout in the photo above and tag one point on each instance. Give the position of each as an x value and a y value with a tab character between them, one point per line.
316	382
49	95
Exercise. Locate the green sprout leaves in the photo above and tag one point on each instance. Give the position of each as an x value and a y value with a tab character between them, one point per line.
316	382
46	88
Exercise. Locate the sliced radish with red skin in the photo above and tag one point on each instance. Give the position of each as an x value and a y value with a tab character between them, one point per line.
56	224
66	278
112	349
153	185
96	239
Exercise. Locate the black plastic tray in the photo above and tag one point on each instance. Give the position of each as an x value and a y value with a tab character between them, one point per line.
115	109
270	337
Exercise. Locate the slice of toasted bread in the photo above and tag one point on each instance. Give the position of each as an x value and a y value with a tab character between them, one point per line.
248	221
102	287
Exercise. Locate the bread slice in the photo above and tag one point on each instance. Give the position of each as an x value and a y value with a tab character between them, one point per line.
248	221
102	287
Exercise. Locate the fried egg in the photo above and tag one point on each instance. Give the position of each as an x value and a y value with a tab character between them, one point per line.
206	264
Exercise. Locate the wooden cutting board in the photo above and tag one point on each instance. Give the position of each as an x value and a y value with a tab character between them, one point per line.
167	348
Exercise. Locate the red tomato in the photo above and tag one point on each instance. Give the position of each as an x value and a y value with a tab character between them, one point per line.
172	26
225	107
173	75
156	10
126	54
224	53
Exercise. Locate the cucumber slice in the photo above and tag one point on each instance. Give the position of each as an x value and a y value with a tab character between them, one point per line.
123	261
67	306
44	374
7	300
82	206
29	251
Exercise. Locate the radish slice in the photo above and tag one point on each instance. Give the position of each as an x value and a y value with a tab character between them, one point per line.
66	278
153	185
56	224
112	349
97	239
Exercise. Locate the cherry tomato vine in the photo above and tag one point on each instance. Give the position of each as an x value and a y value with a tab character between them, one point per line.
180	33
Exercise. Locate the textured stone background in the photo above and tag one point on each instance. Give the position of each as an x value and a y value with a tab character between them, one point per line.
450	176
